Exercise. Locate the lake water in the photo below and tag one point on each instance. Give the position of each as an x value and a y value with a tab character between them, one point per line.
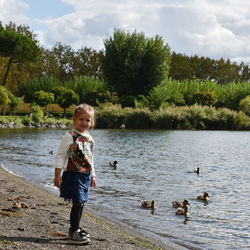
155	165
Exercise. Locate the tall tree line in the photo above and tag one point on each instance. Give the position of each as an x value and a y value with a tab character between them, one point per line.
22	63
222	71
64	63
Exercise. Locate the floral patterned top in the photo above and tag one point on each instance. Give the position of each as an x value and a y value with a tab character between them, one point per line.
75	153
80	153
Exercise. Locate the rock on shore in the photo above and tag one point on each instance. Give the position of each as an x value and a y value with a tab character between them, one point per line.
32	218
35	125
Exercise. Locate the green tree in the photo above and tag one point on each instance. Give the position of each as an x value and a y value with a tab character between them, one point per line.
65	98
133	64
202	66
90	89
63	63
43	98
18	48
225	72
47	84
180	67
88	62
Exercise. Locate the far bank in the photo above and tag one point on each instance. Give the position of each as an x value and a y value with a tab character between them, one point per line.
171	118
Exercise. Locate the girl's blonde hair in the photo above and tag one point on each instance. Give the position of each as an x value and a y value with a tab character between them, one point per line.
85	108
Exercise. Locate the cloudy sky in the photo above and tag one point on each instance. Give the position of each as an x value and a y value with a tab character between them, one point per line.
213	28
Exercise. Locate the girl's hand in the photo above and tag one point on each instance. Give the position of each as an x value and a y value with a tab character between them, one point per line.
93	182
57	181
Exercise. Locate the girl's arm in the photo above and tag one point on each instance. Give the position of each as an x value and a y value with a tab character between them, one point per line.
92	174
58	178
62	158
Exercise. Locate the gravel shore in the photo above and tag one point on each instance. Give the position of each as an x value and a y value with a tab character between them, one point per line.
32	218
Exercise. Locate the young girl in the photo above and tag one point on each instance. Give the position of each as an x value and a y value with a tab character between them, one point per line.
75	157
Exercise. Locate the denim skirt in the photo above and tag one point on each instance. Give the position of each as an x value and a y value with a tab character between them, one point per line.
75	186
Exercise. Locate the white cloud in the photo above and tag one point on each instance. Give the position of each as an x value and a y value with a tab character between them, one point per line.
13	10
204	27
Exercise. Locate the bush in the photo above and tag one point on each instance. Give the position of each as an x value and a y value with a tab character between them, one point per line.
138	118
27	120
245	105
141	102
37	113
185	117
109	116
128	101
4	97
43	98
204	98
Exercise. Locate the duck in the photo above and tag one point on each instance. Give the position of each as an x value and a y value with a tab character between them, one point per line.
197	171
203	197
183	210
123	126
113	164
176	204
51	152
148	204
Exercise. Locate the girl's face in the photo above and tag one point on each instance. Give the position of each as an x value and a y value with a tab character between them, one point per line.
82	122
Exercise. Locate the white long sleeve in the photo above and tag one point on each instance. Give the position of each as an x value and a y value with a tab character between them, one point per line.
62	156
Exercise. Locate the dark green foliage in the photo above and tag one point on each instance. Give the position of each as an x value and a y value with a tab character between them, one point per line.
18	48
66	97
44	83
64	63
134	64
204	98
222	71
13	101
128	101
180	67
89	89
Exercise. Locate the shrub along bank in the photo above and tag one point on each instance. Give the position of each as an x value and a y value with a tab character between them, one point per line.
183	117
114	116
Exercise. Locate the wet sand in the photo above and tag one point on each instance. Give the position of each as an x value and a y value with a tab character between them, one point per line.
32	218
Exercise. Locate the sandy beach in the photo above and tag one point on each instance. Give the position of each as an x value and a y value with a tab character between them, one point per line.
32	218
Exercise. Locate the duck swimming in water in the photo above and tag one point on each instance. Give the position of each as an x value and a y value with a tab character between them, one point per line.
113	164
203	197
148	204
197	171
176	204
183	210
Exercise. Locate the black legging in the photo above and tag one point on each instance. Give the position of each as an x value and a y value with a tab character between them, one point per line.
75	215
